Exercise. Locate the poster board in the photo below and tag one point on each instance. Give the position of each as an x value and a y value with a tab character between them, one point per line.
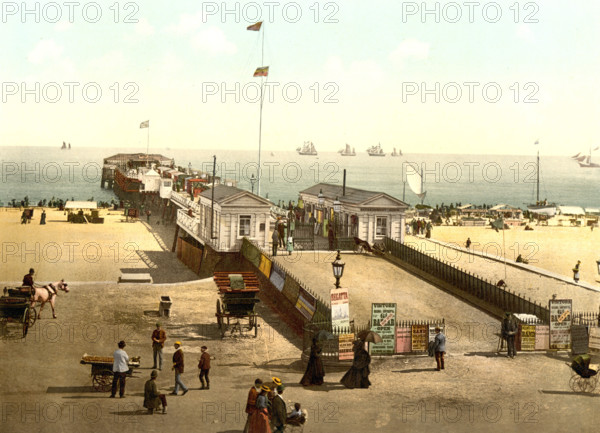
346	343
527	333
306	304
265	265
594	338
560	323
403	340
383	319
340	308
277	277
419	338
579	339
542	337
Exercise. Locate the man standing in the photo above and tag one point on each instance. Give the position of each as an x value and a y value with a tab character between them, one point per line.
251	402
120	369
178	368
440	348
279	411
158	342
204	366
509	330
275	239
281	232
152	398
576	271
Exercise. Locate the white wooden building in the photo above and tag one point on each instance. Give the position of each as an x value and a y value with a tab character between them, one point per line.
368	215
237	214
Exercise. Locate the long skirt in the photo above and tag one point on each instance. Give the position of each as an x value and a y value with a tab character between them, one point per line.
259	422
314	372
356	378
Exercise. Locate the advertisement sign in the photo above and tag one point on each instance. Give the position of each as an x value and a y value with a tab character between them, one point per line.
383	319
579	339
346	345
527	337
594	342
340	308
265	265
560	323
402	340
542	337
419	338
306	304
277	277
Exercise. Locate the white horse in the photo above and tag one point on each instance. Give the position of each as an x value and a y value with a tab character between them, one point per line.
48	293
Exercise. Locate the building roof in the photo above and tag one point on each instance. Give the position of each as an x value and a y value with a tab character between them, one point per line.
224	193
353	195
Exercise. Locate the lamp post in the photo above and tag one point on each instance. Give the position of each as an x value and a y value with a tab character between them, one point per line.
338	269
337	207
252	182
321	201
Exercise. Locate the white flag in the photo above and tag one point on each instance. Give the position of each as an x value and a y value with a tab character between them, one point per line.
145	124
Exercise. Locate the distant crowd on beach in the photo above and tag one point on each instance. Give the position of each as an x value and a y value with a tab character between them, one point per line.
58	203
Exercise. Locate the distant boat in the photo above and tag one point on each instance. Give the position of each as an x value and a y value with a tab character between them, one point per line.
272	154
69	146
396	153
347	151
585	161
308	148
64	146
375	150
541	207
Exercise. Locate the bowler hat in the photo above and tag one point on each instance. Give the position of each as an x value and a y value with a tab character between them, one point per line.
154	373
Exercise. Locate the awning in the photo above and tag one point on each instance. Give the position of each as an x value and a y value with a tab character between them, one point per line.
81	205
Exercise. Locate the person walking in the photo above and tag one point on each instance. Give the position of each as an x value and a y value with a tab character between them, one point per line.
152	398
439	348
290	244
468	243
178	368
509	330
259	421
576	271
204	366
331	238
148	214
278	411
358	375
43	218
158	342
251	402
314	370
275	239
281	232
24	217
120	369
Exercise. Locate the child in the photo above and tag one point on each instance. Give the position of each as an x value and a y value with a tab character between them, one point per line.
290	244
296	417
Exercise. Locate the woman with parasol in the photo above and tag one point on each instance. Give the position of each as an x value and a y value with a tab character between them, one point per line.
314	370
358	375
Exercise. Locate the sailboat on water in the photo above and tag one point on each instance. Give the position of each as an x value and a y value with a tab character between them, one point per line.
376	150
541	207
585	161
415	182
308	148
347	151
64	146
396	153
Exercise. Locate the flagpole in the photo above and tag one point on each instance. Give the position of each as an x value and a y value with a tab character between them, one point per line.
262	63
148	146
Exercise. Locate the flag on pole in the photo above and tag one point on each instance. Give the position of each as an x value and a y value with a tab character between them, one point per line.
145	124
255	27
262	72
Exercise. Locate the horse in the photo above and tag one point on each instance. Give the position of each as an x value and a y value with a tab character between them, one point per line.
48	293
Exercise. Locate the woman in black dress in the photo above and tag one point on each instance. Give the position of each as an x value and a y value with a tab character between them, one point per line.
314	370
358	375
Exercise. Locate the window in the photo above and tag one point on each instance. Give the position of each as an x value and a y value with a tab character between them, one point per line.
381	227
244	225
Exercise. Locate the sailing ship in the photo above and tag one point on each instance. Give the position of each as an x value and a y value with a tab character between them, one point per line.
396	153
375	150
585	161
347	151
541	207
64	146
69	146
308	148
415	181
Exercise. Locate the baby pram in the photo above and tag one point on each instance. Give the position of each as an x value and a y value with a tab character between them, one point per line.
583	378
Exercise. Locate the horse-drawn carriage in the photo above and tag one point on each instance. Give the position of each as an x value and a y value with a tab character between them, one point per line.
237	299
15	308
102	374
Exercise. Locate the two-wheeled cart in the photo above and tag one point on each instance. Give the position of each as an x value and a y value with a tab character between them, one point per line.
237	291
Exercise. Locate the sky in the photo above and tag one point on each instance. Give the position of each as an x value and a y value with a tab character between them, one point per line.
425	77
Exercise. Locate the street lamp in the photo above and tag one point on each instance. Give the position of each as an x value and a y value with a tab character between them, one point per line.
321	198
337	207
338	269
252	182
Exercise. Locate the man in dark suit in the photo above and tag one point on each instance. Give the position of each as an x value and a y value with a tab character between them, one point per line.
204	366
509	330
178	368
278	411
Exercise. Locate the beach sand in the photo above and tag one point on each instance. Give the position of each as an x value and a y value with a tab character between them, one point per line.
84	252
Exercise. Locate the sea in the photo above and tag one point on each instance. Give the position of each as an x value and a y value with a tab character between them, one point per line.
43	172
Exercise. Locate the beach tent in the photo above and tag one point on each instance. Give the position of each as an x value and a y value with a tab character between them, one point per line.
592	211
571	210
81	205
